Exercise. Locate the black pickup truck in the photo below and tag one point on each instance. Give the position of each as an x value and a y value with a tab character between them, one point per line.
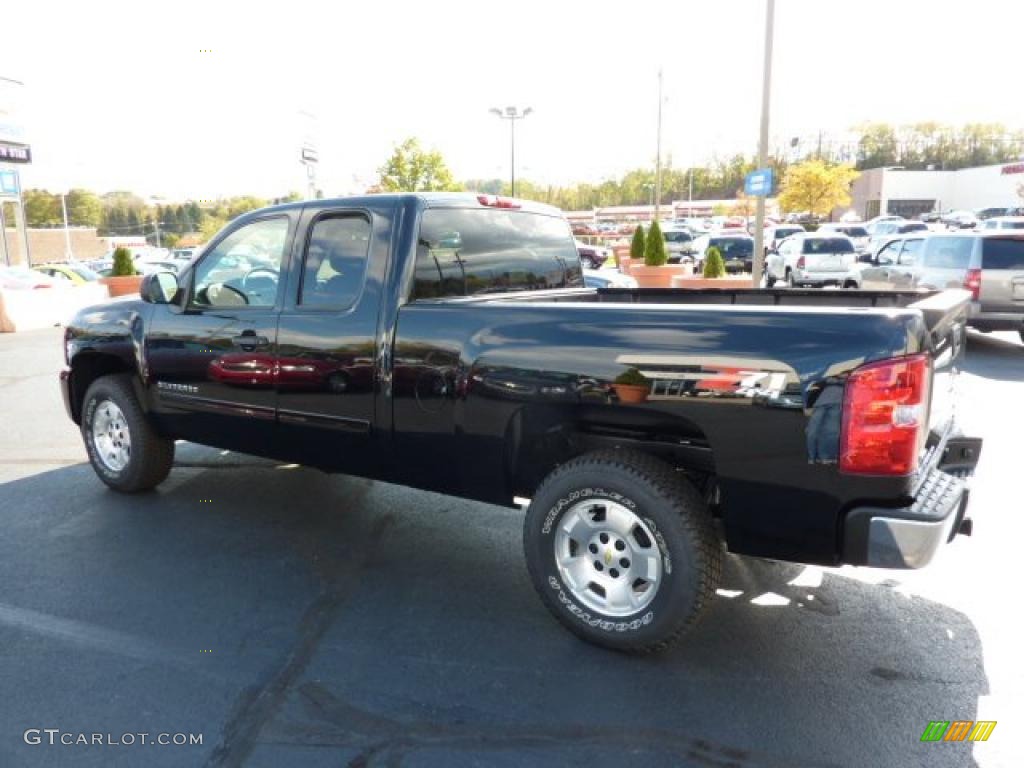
446	342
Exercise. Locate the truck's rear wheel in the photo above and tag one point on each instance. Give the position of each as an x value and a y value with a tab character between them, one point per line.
124	449
621	550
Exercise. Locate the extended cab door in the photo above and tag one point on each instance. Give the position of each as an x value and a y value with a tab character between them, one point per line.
327	338
210	356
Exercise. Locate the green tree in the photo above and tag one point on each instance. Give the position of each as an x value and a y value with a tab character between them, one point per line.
42	209
816	187
654	249
85	209
714	266
637	247
236	206
413	169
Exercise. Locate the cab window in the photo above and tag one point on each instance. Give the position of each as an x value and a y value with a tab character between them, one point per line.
335	263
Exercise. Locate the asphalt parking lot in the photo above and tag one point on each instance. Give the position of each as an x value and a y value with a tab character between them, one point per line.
295	618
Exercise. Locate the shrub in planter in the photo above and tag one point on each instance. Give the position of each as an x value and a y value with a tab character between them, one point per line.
636	248
713	264
655	254
123	264
631	386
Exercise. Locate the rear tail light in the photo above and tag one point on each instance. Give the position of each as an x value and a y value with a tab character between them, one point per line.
885	416
493	201
972	282
801	263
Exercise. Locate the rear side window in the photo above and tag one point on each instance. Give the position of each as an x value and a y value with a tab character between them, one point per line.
466	252
828	245
948	252
335	262
1002	253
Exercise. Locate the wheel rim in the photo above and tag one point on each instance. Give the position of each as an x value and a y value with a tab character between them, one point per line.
608	557
110	436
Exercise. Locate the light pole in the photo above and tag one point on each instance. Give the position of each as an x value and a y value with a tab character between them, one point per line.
512	114
68	256
762	149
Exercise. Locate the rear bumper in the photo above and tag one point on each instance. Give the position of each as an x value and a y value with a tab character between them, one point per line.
819	278
994	321
909	537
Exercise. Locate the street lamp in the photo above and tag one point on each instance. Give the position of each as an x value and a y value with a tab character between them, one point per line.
512	114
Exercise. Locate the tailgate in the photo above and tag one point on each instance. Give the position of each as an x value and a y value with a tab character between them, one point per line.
945	317
1002	275
829	262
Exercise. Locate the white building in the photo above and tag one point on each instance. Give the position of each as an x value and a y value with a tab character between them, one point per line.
909	193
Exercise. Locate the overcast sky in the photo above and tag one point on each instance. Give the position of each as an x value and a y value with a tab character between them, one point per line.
118	96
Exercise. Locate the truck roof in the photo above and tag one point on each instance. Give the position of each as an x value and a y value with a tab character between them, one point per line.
429	200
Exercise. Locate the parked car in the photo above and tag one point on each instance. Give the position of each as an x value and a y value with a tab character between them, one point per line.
812	259
1002	222
891	267
19	277
872	225
607	278
804	433
775	235
592	256
75	273
857	233
737	251
989	264
885	230
679	245
960	220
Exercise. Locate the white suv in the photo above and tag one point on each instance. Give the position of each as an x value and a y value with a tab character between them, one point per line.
811	258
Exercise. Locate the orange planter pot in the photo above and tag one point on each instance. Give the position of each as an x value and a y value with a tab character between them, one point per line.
656	277
631	393
694	281
122	285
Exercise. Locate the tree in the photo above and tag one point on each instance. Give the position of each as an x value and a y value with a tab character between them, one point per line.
816	187
123	264
637	247
84	208
412	169
42	209
654	248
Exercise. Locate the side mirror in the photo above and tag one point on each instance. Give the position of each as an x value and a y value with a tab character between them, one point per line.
159	288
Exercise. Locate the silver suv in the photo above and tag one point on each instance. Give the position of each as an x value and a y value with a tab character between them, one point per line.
990	265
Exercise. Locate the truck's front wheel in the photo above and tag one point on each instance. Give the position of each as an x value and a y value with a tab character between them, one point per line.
621	550
124	449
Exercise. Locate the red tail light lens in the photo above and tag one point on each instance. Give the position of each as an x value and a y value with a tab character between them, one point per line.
493	201
885	417
801	263
973	283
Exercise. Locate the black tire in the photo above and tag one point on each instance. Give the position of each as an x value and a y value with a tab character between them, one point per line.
588	263
1021	332
150	454
769	280
690	552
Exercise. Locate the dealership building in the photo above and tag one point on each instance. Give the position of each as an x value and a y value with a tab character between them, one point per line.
910	193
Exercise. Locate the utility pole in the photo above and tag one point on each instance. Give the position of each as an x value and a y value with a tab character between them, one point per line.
512	114
67	233
762	149
657	167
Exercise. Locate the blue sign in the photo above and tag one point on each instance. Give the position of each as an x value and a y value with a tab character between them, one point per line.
758	183
9	183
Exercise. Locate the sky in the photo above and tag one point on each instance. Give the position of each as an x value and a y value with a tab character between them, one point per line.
200	100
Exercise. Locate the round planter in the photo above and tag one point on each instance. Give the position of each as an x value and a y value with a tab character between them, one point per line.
694	281
656	277
631	393
121	285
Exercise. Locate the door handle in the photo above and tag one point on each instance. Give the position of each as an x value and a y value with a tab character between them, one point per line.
249	340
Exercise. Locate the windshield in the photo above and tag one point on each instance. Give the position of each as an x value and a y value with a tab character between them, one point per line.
733	247
84	272
678	237
855	231
827	245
